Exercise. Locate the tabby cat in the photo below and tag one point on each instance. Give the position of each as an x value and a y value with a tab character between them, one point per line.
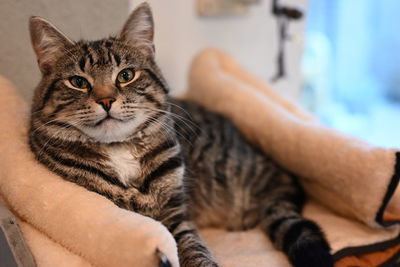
102	118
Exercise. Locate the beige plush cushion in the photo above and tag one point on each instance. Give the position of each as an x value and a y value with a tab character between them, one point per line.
350	181
64	220
347	175
65	225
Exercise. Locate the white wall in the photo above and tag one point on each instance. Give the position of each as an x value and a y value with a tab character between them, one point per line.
76	18
180	34
251	39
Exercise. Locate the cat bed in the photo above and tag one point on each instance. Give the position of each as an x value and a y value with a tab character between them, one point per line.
352	185
354	182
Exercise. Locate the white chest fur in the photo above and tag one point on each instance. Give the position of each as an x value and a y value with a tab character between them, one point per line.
124	163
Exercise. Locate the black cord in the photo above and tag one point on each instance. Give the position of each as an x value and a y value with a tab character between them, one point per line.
280	61
284	15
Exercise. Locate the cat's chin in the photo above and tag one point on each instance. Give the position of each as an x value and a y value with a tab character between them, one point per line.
111	130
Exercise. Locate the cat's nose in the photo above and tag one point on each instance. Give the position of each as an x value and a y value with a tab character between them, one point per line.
106	102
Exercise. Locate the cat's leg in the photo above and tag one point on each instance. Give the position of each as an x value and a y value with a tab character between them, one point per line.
301	239
191	249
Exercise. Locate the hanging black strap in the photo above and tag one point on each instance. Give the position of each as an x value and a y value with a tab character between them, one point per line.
280	61
283	15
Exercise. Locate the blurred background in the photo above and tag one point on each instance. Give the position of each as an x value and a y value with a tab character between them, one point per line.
351	69
340	59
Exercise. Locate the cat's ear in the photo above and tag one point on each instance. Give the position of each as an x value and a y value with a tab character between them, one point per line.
48	42
139	28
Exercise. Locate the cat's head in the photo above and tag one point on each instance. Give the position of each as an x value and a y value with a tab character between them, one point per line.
106	89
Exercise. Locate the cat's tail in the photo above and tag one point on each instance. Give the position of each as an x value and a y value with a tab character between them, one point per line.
300	239
303	242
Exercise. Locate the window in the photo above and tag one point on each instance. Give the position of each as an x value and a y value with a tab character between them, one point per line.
351	67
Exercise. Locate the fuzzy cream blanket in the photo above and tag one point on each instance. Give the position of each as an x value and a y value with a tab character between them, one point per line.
352	185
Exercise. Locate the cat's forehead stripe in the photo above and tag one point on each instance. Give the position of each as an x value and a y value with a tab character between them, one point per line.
98	53
82	63
117	59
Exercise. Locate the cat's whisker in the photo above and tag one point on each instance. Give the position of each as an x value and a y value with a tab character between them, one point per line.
176	116
168	135
179	107
170	128
57	132
165	111
47	123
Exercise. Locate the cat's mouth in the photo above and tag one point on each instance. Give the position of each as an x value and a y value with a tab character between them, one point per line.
107	119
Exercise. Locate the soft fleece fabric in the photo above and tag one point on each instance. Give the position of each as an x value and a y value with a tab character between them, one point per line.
66	225
350	177
337	170
62	220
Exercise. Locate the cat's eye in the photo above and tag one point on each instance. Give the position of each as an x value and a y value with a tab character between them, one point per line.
79	82
126	76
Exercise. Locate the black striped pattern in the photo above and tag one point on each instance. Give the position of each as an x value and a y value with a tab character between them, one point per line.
162	147
167	166
231	178
193	166
70	163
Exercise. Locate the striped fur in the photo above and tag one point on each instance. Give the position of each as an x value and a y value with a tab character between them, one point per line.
164	158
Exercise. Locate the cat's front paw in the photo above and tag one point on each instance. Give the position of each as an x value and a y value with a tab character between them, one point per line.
163	259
